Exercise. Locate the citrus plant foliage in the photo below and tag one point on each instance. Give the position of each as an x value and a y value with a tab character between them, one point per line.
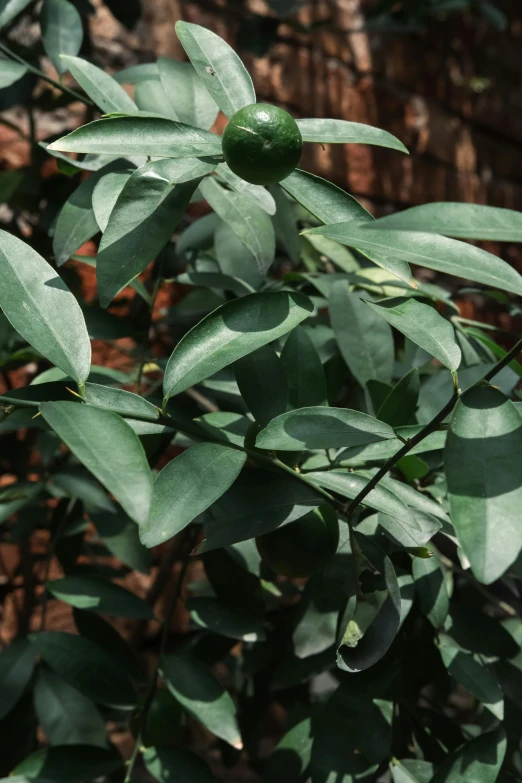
307	410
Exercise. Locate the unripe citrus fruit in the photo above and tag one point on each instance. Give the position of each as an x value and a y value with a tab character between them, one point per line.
164	723
262	144
303	547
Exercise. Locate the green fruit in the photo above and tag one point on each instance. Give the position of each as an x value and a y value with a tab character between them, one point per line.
303	547
262	144
165	720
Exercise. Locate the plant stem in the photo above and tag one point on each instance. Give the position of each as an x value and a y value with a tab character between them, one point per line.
50	554
176	595
146	341
5	49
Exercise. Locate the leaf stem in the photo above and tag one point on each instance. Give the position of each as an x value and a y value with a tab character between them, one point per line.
5	49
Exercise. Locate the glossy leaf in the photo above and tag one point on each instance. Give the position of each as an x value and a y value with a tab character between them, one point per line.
250	223
329	131
411	771
16	668
62	31
108	447
429	250
233	257
225	619
259	194
479	760
230	332
257	504
154	136
330	204
10	72
423	325
86	666
473	674
399	407
484	475
144	217
95	592
187	486
454	219
120	401
103	634
321	428
261	378
291	755
218	67
66	715
9	9
304	371
177	765
431	590
99	86
406	535
203	697
42	309
225	425
365	340
105	195
185	94
121	537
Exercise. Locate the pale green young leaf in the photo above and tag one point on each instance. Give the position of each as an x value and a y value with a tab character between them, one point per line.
328	131
108	447
218	66
187	486
86	666
304	371
66	715
423	325
429	250
62	31
143	218
203	697
320	427
99	86
261	378
42	309
250	223
462	221
153	136
230	332
365	340
484	475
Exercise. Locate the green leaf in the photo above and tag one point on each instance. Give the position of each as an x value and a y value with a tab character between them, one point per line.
338	254
472	674
16	668
10	72
188	485
463	221
108	447
103	634
120	401
431	590
233	257
479	760
105	195
121	537
304	371
329	131
42	309
69	764
66	715
95	592
62	31
374	620
423	325
154	136
365	340
262	382
216	280
257	193
250	223
218	67
484	475
321	428
9	9
411	771
285	224
227	426
376	452
144	217
225	619
176	765
185	94
230	332
203	697
99	86
407	535
291	756
330	204
400	405
479	633
86	666
257	503
429	250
